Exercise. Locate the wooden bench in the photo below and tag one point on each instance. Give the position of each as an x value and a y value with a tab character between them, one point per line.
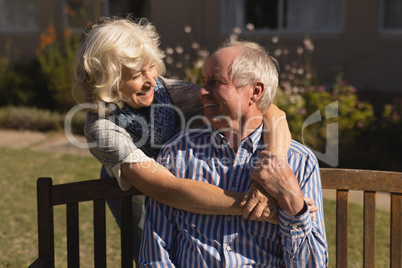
71	194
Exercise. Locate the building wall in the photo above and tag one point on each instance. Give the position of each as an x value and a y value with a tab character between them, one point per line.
49	13
369	60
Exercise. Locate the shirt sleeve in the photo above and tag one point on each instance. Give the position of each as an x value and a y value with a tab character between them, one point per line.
303	239
112	146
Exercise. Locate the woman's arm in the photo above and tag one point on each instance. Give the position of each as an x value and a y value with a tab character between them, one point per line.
276	131
114	148
159	184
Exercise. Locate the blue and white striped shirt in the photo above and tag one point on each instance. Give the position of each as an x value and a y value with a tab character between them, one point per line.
176	238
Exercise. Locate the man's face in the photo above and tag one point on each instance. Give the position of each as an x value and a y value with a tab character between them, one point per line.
224	104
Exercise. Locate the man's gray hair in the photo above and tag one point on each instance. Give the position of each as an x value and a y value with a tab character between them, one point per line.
254	64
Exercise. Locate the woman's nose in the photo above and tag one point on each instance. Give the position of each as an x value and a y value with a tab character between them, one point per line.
150	79
203	91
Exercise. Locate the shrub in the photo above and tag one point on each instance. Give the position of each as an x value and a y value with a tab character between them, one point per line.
56	59
352	115
28	118
21	82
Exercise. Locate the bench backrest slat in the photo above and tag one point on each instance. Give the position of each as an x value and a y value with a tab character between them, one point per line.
342	217
369	229
100	233
396	230
73	236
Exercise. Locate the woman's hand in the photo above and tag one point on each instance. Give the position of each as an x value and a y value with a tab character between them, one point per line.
276	131
311	207
258	205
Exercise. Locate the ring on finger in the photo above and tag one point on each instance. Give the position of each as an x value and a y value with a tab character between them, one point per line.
267	210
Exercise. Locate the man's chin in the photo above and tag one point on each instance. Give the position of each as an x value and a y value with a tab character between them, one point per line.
217	123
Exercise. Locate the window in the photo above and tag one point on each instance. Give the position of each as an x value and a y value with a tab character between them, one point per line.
18	15
283	15
391	15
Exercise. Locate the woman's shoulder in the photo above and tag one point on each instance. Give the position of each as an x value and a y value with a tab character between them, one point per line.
97	126
184	96
177	85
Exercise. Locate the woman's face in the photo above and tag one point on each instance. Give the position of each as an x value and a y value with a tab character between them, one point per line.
138	86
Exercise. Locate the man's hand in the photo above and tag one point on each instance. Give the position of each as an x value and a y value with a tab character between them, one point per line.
277	179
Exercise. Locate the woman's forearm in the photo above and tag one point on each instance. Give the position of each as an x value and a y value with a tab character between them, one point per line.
194	196
276	131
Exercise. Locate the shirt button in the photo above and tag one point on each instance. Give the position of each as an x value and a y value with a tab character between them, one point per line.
228	248
286	223
229	218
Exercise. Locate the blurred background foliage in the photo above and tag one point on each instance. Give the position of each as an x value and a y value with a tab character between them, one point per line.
36	95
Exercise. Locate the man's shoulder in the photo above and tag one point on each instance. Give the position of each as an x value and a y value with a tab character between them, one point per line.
299	150
192	136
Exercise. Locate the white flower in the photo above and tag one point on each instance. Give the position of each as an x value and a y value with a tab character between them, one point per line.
236	30
285	51
195	45
275	39
300	50
203	53
187	29
277	52
179	49
300	71
169	60
169	50
308	44
199	63
234	37
179	65
250	26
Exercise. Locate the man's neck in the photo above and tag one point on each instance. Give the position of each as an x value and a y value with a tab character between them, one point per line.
244	129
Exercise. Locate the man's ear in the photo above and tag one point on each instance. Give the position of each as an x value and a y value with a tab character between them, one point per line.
258	89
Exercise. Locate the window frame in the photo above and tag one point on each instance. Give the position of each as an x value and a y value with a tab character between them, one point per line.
30	29
240	22
381	17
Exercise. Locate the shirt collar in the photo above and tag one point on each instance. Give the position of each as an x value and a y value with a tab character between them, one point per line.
254	139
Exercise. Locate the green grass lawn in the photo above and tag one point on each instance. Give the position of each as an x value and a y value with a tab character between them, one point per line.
18	225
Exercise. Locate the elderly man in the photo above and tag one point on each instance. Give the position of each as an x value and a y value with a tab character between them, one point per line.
239	83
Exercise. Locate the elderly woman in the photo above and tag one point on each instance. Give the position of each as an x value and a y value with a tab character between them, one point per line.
135	111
